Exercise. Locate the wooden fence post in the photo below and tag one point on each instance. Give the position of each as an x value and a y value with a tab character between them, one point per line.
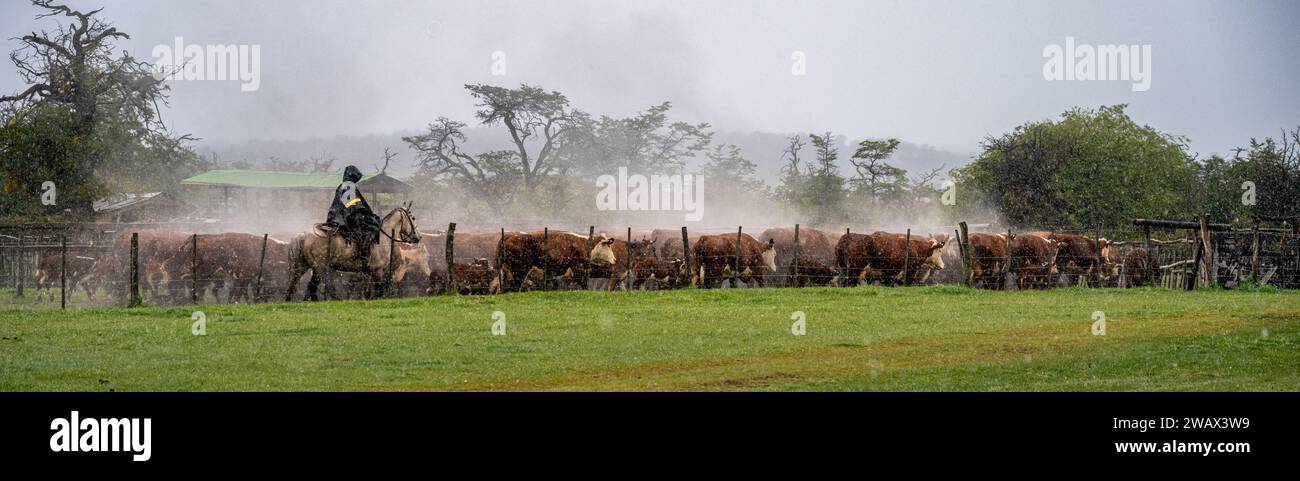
686	252
907	256
961	249
450	254
968	274
1295	268
18	268
1206	267
546	255
1194	273
794	270
1100	264
261	262
134	293
1150	260
63	272
735	271
844	266
1254	250
627	281
1006	265
591	234
501	270
194	266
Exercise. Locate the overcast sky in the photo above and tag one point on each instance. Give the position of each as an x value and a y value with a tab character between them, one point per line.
938	73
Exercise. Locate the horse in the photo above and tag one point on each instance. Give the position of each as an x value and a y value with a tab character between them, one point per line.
311	249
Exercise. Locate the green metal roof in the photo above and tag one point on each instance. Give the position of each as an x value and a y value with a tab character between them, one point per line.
267	179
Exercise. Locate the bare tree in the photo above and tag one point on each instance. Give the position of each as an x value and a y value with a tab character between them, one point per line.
645	142
388	157
75	65
529	114
112	98
538	123
873	175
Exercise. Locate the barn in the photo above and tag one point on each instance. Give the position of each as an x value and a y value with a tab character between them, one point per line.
145	207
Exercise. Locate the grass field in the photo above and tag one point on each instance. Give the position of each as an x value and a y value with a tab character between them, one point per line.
923	338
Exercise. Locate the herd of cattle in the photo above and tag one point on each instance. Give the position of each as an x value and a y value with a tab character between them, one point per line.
175	267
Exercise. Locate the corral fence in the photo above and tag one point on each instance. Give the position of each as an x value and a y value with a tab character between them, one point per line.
95	265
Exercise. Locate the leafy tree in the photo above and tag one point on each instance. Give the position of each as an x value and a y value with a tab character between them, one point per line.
1219	189
88	117
1089	167
1274	167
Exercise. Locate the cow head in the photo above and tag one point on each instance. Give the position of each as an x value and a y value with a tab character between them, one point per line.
769	255
1111	262
603	253
1053	247
643	249
934	258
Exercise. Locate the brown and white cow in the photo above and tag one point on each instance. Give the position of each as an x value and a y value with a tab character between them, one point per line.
225	261
1033	257
855	255
157	282
714	259
50	271
1112	262
1139	268
989	259
477	277
921	255
880	257
609	259
810	273
240	255
658	274
814	245
668	243
563	256
1077	256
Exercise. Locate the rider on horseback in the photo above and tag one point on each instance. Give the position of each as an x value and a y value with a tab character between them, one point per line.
352	215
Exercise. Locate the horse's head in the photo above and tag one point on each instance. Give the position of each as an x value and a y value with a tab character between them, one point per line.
402	221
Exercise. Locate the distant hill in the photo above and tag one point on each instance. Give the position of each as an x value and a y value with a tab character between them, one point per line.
763	148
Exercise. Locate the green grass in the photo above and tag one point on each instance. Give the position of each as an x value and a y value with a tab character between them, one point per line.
924	338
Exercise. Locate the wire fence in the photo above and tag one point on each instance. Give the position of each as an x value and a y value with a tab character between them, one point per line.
96	267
